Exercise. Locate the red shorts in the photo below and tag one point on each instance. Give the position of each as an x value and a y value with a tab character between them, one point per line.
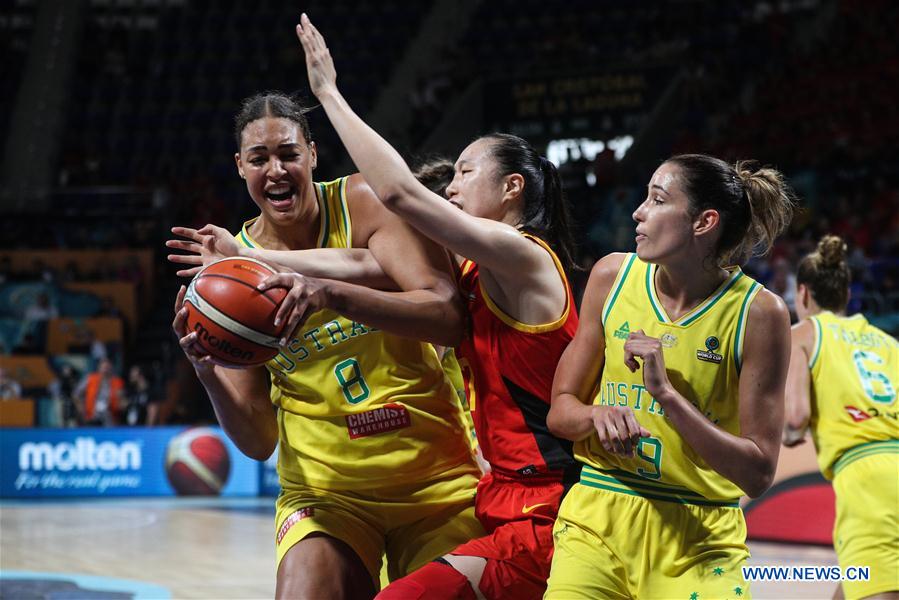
518	512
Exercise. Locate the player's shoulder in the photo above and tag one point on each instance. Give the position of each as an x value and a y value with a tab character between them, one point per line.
606	269
768	315
768	305
367	212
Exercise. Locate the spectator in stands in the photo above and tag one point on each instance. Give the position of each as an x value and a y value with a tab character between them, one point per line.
62	390
86	342
9	387
42	310
137	395
100	395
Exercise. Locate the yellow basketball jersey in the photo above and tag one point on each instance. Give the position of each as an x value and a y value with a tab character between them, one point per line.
702	351
358	406
855	370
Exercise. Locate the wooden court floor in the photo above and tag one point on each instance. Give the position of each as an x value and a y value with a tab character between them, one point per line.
219	548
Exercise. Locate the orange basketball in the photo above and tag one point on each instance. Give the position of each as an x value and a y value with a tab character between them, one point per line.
234	321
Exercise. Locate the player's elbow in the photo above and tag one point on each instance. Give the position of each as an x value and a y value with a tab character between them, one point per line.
761	480
796	417
394	193
259	450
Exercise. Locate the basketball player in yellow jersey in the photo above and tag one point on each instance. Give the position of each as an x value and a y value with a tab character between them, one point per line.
672	389
842	385
373	456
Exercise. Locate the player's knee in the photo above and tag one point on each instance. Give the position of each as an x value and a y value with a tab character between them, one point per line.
435	580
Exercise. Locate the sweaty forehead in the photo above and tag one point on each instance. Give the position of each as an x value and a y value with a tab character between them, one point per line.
271	132
665	177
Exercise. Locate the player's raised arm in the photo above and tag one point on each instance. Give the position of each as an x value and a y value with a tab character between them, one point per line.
493	244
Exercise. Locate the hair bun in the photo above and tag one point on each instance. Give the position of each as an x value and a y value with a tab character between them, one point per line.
832	250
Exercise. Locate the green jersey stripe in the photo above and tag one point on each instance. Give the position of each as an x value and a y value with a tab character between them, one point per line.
707	305
818	336
865	450
632	480
653	301
741	327
616	288
673	499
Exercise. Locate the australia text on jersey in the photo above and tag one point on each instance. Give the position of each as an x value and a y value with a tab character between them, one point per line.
317	339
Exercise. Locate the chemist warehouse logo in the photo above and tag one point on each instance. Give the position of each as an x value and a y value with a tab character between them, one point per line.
709	354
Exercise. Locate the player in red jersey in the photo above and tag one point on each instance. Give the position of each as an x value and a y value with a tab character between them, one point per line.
513	230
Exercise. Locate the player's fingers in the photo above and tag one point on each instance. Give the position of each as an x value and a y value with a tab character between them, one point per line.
185	259
209	229
285	309
187	232
613	437
297	318
179	298
183	245
632	429
630	361
178	322
189	272
276	280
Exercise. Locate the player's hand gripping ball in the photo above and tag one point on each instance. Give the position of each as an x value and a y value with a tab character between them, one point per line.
234	321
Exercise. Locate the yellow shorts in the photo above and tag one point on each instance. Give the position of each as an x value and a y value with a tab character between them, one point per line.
866	531
616	545
411	523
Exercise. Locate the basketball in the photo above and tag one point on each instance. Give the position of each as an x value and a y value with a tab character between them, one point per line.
197	463
234	321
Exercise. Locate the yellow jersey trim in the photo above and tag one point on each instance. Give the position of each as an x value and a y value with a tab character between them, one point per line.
345	209
617	285
622	482
526	328
742	320
696	312
863	451
818	337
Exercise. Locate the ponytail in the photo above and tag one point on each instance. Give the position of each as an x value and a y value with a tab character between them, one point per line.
755	205
544	211
826	274
771	203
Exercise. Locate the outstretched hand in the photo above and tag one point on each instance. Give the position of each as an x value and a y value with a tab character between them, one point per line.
319	64
208	245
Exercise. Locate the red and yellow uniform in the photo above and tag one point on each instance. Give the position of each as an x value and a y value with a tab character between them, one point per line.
508	368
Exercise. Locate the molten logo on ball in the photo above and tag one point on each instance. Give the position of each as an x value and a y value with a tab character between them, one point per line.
222	345
197	463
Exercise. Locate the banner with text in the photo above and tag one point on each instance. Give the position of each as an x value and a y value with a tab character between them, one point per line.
160	461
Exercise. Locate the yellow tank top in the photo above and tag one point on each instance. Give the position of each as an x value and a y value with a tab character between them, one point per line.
855	371
702	351
358	406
